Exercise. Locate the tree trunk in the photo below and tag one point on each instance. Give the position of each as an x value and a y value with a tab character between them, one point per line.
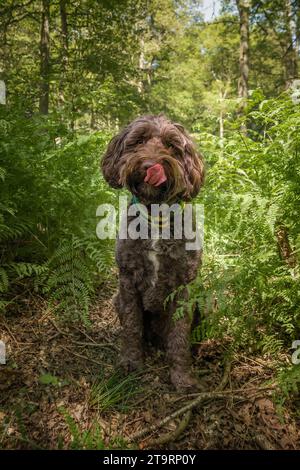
45	58
290	53
285	250
141	66
222	95
93	118
297	43
243	8
221	124
64	48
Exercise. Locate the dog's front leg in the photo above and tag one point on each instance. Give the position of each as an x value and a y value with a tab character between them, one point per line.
129	309
179	351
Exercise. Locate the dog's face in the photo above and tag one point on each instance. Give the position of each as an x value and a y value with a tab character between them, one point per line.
156	160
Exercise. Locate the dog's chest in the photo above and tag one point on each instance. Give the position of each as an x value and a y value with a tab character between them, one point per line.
153	256
166	260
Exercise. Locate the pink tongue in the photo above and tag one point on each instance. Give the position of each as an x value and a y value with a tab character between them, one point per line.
155	175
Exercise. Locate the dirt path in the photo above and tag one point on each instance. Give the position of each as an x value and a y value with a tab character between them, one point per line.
60	389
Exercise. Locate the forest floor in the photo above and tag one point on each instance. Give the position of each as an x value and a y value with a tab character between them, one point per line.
60	389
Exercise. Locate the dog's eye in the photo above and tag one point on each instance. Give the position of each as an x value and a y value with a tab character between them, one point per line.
170	145
175	150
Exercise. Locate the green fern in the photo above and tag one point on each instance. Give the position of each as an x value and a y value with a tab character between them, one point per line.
247	291
91	438
271	344
288	379
13	231
69	284
22	270
4	282
72	275
99	252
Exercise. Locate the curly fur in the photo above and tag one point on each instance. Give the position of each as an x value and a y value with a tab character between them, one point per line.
151	269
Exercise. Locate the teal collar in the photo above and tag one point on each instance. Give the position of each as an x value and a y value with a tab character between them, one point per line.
160	221
135	200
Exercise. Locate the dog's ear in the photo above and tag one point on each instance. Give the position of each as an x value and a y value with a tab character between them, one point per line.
193	165
195	172
110	163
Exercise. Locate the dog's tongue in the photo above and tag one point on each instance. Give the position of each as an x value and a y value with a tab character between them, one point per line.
155	175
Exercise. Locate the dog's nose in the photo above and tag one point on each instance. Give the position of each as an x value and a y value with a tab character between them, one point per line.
155	175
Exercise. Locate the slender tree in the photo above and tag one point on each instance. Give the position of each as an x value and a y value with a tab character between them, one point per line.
45	57
64	48
244	9
290	53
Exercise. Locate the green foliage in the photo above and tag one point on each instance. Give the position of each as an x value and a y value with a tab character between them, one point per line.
289	383
51	187
48	379
3	280
71	274
246	289
91	75
69	283
117	392
91	438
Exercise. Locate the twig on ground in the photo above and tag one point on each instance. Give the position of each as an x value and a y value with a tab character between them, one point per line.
9	331
245	390
172	436
83	343
225	377
57	328
96	345
84	334
89	359
202	397
258	362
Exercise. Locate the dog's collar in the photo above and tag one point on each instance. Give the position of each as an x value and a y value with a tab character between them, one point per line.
156	220
135	200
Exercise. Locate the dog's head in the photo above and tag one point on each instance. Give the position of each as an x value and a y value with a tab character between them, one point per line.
155	159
